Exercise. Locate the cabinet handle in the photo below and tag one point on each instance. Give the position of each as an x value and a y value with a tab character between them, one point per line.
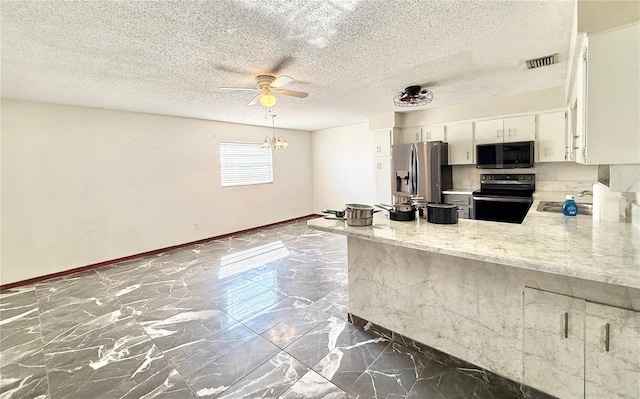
498	133
379	166
467	154
545	151
458	201
607	331
379	149
418	137
428	135
566	325
509	132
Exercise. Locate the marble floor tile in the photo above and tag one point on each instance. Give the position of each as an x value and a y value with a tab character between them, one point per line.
241	309
295	327
319	341
274	314
192	355
216	377
391	375
269	380
346	363
313	385
259	314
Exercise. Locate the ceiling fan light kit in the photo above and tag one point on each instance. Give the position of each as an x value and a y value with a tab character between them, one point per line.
268	85
268	100
413	96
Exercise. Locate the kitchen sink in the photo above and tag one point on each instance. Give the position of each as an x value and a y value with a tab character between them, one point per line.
555	206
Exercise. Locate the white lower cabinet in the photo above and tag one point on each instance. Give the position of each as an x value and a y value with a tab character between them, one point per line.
573	348
612	360
553	345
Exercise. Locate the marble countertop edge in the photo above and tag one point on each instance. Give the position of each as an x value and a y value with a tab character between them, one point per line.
626	275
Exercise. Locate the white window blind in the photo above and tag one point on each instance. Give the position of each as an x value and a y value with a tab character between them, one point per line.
244	164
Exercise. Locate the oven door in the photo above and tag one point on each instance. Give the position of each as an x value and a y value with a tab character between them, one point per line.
501	208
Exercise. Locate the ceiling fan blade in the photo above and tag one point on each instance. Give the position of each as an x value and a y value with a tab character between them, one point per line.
283	62
237	89
299	94
255	100
281	81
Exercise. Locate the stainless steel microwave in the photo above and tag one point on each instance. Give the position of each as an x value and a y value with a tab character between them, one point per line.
505	155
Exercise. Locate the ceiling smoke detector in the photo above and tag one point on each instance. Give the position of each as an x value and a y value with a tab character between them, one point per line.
542	61
413	96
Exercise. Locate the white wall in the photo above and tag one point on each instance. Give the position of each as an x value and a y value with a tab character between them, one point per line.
342	167
85	185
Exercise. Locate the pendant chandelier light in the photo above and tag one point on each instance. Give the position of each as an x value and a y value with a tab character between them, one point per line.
274	142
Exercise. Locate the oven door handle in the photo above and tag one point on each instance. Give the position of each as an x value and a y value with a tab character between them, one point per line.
502	199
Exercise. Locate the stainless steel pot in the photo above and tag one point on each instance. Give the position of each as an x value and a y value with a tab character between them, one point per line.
359	215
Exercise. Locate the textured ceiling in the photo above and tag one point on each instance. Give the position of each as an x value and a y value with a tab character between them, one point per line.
351	56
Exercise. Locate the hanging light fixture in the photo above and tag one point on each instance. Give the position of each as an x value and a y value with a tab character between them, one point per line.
268	100
274	142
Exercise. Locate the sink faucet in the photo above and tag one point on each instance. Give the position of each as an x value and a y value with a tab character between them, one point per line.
585	192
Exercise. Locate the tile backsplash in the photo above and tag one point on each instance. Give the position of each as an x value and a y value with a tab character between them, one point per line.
553	176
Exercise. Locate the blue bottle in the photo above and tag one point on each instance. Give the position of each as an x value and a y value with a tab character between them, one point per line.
569	208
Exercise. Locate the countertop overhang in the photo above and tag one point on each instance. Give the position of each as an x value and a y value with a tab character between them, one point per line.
579	247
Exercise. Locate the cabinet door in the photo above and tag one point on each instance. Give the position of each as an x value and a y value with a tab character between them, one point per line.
579	143
460	139
433	133
488	132
382	143
411	134
552	132
612	352
382	180
553	343
613	97
520	128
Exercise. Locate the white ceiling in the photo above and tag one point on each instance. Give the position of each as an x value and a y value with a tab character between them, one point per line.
351	56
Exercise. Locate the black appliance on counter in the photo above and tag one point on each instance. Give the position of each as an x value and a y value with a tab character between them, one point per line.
504	197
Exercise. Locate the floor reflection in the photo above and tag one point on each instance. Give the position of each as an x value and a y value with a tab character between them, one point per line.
251	258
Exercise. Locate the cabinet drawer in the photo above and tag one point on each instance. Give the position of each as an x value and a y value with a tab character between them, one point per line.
457	199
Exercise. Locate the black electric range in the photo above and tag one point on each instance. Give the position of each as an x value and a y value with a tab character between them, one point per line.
504	197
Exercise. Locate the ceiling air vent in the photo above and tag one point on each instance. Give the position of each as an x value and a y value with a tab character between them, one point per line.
542	61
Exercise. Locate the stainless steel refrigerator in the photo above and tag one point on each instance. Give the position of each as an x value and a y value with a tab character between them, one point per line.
421	169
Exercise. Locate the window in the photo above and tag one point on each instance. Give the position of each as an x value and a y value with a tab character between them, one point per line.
243	164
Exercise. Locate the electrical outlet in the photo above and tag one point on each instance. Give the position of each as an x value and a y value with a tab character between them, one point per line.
196	226
469	177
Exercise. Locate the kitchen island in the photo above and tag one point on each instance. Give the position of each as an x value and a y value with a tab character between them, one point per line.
523	301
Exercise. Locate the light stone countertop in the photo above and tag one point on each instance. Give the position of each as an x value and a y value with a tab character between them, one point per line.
600	251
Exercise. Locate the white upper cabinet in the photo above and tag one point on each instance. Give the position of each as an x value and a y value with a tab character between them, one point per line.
423	133
612	129
382	143
551	138
507	130
460	139
411	134
520	128
433	133
491	131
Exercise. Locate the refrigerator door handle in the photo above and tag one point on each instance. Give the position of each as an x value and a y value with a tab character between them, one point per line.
413	170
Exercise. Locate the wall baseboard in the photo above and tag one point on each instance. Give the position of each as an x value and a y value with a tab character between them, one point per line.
153	252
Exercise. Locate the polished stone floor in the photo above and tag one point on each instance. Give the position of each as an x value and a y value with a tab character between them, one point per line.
256	315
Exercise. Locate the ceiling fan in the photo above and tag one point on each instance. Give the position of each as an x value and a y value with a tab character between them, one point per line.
413	96
267	86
